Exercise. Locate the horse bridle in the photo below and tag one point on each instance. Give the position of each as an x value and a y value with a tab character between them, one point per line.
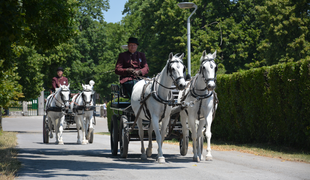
87	102
61	97
169	70
206	80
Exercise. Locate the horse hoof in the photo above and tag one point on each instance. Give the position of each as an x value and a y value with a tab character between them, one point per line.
209	158
149	152
143	157
79	142
161	160
60	142
196	159
85	142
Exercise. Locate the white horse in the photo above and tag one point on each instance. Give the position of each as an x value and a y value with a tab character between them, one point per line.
201	91
56	106
155	97
82	106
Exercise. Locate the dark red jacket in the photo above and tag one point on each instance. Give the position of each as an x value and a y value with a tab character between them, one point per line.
56	82
127	60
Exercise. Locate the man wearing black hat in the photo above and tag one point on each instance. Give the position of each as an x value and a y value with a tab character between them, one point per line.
130	65
59	80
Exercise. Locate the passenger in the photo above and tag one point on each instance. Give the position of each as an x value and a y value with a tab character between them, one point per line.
130	65
58	80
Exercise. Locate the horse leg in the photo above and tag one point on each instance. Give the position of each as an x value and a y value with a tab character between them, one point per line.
61	121
192	125
141	135
77	122
83	125
160	157
200	138
208	135
56	123
149	149
90	125
164	127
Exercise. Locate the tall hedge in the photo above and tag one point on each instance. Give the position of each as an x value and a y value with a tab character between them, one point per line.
268	104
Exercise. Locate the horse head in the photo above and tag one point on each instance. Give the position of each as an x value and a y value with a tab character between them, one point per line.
176	70
208	69
87	94
65	96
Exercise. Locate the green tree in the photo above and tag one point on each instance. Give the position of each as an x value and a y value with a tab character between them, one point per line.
10	90
41	24
286	29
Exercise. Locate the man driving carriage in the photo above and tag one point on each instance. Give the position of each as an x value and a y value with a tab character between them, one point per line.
58	80
130	65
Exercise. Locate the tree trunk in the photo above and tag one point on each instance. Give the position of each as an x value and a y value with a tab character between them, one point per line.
0	119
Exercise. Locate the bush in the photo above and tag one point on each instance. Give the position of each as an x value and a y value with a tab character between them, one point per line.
268	104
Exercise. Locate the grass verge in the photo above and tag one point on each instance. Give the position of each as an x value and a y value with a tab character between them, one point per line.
264	149
258	149
8	161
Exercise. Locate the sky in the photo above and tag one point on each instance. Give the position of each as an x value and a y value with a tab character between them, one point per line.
114	14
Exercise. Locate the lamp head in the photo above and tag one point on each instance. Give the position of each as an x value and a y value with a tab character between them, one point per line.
187	5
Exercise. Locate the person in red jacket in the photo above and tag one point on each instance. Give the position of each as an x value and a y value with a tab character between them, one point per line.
59	80
130	65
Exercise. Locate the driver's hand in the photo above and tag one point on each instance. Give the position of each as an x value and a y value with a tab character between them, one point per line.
137	73
130	70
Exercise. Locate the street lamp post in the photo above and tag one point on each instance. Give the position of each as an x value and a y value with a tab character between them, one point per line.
188	5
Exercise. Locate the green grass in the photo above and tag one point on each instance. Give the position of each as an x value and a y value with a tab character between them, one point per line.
264	149
103	133
8	161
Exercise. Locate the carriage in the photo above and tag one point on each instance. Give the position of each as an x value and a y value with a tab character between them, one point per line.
72	113
124	129
156	105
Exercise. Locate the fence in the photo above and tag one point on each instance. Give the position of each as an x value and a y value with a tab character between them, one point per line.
32	108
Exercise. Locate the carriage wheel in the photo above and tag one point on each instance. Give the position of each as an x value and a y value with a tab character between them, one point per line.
124	141
183	146
91	138
45	130
114	135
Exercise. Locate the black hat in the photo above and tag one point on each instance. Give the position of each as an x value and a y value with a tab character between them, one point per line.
60	69
133	40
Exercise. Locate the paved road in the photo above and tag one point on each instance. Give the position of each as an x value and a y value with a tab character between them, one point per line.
94	161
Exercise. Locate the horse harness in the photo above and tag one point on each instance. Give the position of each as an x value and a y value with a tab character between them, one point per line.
156	96
57	108
205	96
78	107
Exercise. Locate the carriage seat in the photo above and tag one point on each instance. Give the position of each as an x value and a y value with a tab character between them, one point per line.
120	92
116	89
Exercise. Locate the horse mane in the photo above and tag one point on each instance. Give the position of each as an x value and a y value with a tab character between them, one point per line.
176	56
208	57
87	87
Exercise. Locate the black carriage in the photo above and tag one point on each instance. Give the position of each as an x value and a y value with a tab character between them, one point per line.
123	127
